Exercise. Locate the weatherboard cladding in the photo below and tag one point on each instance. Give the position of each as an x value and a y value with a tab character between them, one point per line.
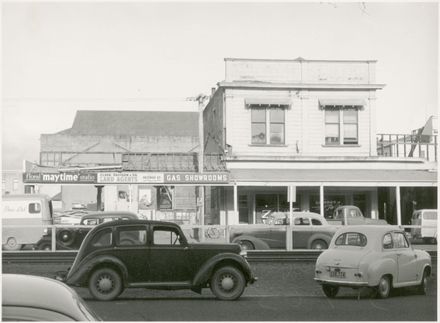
135	123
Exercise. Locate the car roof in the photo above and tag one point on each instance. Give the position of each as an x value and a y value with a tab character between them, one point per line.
111	214
134	222
40	292
24	197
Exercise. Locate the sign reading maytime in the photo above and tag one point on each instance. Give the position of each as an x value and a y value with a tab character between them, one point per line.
59	178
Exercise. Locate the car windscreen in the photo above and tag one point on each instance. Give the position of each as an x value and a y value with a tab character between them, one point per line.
351	239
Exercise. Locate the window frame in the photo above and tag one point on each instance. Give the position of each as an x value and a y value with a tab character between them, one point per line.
341	126
268	124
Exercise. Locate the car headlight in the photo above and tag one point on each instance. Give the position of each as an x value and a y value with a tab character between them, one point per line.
45	231
243	253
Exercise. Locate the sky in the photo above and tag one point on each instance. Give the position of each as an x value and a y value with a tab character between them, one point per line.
59	57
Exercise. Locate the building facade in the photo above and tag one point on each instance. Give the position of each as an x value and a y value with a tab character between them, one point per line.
110	142
301	135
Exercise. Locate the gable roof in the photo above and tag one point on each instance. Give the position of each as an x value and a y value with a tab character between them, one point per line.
134	123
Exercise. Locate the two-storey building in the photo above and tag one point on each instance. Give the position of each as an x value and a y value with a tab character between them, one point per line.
305	131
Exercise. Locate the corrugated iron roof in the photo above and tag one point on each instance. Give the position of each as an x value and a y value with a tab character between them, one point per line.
135	123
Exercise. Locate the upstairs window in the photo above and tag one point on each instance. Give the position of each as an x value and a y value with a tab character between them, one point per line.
267	122
341	122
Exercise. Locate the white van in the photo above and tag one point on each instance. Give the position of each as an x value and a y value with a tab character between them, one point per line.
24	219
427	220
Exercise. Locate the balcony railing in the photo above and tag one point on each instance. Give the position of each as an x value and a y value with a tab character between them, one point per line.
401	145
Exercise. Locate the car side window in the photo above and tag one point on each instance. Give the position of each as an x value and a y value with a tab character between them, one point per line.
165	236
387	241
102	238
316	222
399	240
132	236
301	221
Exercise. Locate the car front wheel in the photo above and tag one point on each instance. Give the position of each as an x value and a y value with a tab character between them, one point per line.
12	245
330	291
105	284
228	283
384	287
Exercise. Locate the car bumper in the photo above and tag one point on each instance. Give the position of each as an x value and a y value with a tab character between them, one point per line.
341	283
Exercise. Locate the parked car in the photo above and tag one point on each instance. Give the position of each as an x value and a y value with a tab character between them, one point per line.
160	257
427	220
70	238
33	298
352	215
378	257
309	231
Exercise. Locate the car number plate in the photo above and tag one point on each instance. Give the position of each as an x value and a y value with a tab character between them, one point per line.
337	273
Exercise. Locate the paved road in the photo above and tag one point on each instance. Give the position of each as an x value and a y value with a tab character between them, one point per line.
151	307
285	291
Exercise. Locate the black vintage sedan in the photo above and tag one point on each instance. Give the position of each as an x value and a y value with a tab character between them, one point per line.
71	237
156	255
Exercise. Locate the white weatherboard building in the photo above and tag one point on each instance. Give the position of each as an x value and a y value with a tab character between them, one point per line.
307	128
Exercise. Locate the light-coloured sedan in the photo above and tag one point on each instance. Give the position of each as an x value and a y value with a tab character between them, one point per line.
309	231
34	298
379	257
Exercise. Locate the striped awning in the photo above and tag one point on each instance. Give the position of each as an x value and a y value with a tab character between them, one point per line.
268	102
342	103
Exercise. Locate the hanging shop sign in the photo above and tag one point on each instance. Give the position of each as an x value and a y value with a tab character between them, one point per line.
130	178
59	178
191	178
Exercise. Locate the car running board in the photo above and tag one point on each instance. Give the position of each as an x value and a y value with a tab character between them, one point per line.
162	285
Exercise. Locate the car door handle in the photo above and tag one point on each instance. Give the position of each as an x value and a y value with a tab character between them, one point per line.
415	256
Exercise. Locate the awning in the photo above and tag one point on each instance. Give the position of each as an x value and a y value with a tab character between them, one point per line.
349	103
381	176
276	102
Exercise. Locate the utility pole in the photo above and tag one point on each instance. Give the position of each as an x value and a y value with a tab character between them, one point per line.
201	98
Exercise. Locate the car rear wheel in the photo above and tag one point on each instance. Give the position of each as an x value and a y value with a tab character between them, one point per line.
246	245
330	291
11	245
319	244
422	288
105	284
228	283
384	288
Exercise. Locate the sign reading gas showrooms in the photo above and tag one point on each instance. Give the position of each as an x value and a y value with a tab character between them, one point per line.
59	178
126	178
195	178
